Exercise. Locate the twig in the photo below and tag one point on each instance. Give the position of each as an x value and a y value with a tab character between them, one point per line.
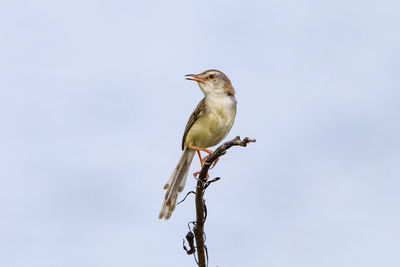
202	184
191	192
210	182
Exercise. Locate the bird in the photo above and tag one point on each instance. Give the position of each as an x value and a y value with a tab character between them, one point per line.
207	126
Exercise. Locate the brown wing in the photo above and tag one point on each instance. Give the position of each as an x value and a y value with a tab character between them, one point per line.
199	110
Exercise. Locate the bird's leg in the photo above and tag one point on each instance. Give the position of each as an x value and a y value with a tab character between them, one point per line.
198	149
201	149
214	163
202	160
202	164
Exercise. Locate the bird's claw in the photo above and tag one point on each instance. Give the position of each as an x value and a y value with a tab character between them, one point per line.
197	173
213	164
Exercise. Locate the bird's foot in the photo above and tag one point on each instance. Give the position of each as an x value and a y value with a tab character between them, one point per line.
214	163
197	173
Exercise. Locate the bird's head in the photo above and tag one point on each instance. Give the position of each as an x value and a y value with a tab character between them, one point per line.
212	82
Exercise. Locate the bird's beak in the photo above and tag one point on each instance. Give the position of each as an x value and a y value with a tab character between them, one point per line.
195	77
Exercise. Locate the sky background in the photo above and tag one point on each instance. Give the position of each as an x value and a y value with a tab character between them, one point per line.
93	104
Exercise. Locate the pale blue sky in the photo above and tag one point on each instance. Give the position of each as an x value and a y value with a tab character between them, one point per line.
93	104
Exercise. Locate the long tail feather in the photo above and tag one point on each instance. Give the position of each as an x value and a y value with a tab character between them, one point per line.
176	183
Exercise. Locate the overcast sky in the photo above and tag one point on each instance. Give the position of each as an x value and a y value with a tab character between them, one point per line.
93	104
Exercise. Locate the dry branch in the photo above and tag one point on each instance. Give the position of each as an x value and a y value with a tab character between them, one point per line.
202	184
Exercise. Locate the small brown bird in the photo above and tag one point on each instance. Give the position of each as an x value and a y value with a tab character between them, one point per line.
208	125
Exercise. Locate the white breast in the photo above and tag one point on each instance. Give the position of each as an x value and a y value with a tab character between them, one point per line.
221	115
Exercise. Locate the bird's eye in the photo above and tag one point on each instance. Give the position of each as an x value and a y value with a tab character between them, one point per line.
212	76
